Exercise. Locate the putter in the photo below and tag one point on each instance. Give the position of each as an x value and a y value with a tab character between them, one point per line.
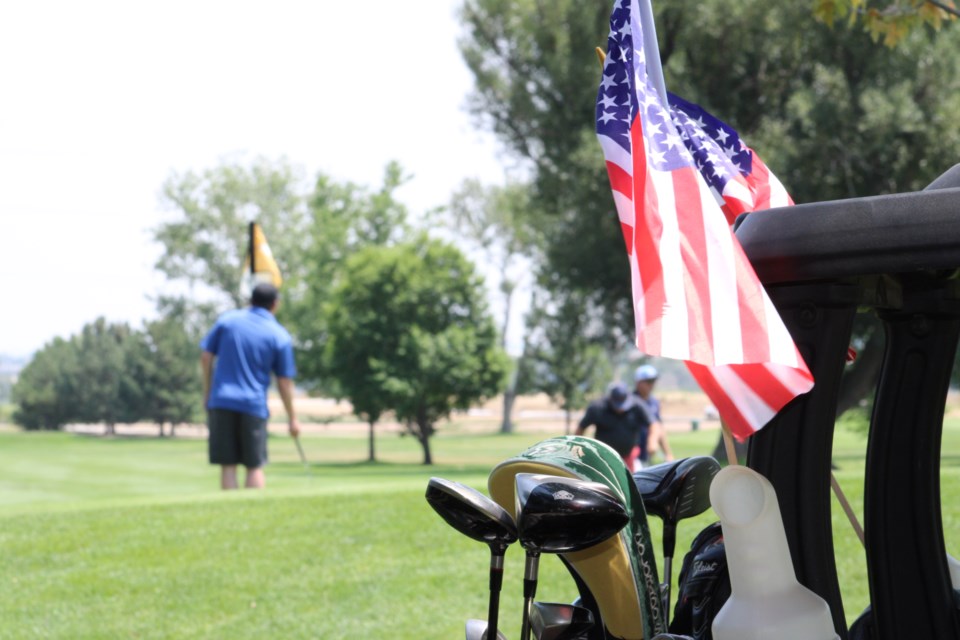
480	518
674	491
561	515
555	621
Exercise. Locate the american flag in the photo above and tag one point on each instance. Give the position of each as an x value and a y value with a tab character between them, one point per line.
737	176
678	179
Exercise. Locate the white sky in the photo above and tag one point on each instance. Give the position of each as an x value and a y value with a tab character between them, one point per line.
100	101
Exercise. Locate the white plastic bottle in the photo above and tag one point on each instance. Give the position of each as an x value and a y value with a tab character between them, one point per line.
766	601
954	571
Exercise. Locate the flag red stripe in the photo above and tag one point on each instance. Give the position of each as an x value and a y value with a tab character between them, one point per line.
647	233
753	314
627	232
694	254
726	407
765	384
759	180
620	180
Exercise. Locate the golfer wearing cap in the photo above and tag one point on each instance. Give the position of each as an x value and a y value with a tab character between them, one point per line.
645	377
241	351
619	421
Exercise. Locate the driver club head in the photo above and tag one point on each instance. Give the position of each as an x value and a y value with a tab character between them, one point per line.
472	513
556	621
682	492
560	515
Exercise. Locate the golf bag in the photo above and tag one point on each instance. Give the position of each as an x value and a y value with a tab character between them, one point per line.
617	578
704	585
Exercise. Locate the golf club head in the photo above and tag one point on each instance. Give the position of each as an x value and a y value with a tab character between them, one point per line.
472	513
677	490
556	621
561	515
477	630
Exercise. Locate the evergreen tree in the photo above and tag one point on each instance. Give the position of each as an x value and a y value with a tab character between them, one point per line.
42	391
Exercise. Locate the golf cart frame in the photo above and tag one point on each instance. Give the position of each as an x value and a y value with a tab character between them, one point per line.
820	263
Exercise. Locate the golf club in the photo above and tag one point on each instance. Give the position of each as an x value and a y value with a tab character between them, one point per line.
303	458
561	515
556	621
477	630
476	516
674	491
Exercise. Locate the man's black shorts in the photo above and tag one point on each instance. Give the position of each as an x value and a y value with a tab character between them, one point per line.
237	438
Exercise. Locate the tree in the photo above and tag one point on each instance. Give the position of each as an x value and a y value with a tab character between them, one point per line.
97	388
564	357
410	332
162	360
344	217
497	221
834	114
891	20
536	79
41	391
206	244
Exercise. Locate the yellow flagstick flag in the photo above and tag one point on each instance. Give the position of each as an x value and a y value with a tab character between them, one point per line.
259	264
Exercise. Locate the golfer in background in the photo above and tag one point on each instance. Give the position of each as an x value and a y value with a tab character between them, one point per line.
241	351
619	421
645	378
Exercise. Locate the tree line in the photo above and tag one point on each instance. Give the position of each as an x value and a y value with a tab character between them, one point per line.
111	374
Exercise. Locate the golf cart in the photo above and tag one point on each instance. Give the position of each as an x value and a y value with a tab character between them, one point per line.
898	255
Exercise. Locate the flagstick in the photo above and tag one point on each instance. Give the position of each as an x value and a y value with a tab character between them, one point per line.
728	443
253	258
851	516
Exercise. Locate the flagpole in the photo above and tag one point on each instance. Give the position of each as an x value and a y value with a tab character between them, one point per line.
651	50
728	444
252	252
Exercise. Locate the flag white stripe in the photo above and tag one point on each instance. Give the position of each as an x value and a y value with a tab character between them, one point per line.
636	283
616	154
625	209
722	280
675	325
736	189
782	349
778	193
749	404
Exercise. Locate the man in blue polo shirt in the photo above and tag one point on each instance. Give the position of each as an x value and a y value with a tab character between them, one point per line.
240	353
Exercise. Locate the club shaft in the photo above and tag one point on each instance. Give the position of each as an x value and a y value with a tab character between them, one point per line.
668	572
530	571
496	582
303	458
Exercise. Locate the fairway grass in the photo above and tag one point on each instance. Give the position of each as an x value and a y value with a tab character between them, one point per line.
130	538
